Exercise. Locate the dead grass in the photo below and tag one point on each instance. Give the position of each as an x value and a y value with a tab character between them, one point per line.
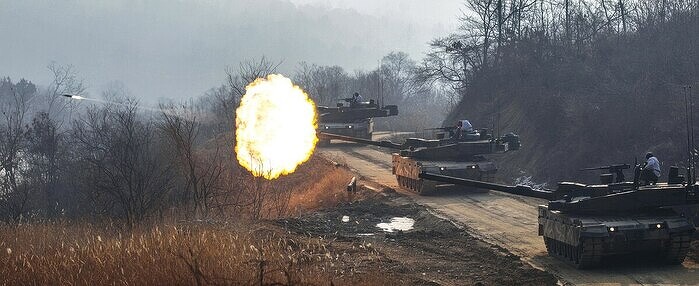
249	253
243	254
325	187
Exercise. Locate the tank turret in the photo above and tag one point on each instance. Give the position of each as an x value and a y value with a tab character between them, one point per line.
352	118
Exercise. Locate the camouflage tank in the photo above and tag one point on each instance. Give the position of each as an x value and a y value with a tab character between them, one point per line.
352	118
462	159
583	223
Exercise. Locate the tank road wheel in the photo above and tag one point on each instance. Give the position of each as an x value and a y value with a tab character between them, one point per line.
401	181
405	182
589	253
549	246
675	249
585	255
418	186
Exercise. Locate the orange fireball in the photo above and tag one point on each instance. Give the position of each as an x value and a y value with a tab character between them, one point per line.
275	127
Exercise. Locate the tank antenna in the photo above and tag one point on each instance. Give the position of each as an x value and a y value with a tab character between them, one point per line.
691	126
497	116
380	85
690	135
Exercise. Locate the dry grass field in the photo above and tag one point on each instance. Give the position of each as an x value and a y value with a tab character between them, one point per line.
230	251
203	254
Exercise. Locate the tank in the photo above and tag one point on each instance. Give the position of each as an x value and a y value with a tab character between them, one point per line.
462	159
352	118
582	223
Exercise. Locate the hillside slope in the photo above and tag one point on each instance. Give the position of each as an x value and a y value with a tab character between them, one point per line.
609	103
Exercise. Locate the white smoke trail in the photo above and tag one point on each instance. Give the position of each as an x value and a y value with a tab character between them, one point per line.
167	111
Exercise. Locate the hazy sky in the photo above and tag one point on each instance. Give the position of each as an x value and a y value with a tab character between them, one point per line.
179	49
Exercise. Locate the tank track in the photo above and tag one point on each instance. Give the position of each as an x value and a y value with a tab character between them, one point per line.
676	248
488	177
418	186
586	255
424	187
589	253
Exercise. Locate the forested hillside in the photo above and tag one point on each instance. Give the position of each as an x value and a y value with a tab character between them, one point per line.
583	83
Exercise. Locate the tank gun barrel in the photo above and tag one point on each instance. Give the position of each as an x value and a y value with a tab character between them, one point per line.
385	143
610	167
441	128
617	169
515	190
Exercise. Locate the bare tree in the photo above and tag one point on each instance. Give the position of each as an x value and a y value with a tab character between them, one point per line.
247	72
451	61
202	174
15	190
398	76
224	100
325	84
221	103
482	24
46	158
120	165
259	190
65	80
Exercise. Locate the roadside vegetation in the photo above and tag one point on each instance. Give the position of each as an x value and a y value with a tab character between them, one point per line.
173	248
172	254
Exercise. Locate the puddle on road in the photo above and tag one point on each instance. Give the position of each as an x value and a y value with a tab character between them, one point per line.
397	223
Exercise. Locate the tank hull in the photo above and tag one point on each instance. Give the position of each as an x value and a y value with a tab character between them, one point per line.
358	129
584	240
408	169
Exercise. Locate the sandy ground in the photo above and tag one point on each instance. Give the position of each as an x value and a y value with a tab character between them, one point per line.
507	221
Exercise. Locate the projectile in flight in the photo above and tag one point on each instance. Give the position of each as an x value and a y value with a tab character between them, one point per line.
73	96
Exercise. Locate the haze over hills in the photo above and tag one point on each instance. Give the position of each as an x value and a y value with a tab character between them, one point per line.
179	49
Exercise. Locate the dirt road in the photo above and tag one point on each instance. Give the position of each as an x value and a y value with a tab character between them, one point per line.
507	221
